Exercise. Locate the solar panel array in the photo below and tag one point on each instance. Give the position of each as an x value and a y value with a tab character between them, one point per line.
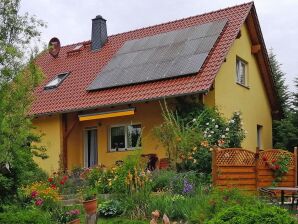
162	56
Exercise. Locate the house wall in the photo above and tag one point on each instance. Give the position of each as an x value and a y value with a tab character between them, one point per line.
253	102
147	114
50	128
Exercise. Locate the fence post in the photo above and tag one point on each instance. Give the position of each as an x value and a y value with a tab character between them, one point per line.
295	164
214	167
257	157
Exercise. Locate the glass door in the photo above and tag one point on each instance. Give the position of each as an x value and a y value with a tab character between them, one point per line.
90	147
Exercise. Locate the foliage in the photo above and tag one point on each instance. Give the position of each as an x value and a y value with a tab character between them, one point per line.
19	215
278	76
176	135
285	133
41	194
17	82
161	180
121	221
68	216
255	214
89	193
279	167
110	208
216	132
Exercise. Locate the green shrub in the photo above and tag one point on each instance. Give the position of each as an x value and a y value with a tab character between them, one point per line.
252	214
161	180
110	208
14	215
121	221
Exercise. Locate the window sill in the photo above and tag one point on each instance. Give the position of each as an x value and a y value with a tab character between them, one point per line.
247	87
123	150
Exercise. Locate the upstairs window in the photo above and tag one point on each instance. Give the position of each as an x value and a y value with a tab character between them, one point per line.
241	72
125	137
58	79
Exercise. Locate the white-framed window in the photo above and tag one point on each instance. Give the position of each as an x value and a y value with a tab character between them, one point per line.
56	81
241	72
124	137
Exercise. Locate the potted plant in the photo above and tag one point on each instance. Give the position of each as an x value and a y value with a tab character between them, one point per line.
70	217
90	202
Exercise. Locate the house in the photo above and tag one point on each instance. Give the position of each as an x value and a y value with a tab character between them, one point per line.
98	95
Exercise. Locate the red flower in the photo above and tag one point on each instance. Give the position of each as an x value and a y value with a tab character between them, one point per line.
65	178
277	167
34	194
53	186
273	161
265	158
38	202
62	182
50	179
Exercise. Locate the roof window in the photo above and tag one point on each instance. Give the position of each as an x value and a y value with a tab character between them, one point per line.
54	83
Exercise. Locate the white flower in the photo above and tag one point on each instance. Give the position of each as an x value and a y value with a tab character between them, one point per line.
207	123
232	121
205	135
194	120
207	129
211	149
237	113
246	132
216	126
212	132
213	120
227	129
209	136
223	136
205	132
241	123
194	161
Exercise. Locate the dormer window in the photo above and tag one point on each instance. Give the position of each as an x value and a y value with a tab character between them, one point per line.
58	79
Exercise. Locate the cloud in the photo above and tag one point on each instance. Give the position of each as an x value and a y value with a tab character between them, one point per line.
70	20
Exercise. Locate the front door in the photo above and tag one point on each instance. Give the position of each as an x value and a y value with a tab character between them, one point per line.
90	147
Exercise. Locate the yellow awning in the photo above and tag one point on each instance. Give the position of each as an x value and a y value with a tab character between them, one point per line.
108	114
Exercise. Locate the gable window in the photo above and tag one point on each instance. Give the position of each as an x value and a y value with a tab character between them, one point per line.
241	72
125	137
56	81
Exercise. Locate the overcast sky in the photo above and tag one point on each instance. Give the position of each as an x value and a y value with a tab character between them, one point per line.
70	20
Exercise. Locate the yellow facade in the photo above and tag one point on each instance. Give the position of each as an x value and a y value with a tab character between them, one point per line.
228	96
146	114
50	128
252	101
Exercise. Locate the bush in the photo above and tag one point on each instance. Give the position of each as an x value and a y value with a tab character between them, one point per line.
161	180
14	215
110	208
252	214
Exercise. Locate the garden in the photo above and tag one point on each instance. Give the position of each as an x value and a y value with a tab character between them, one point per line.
129	192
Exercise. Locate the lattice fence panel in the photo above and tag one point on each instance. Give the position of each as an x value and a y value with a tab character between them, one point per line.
235	157
274	154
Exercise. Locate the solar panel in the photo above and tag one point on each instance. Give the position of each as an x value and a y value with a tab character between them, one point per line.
162	56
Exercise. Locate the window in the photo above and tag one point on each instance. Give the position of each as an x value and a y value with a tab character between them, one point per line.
241	72
54	83
259	136
125	137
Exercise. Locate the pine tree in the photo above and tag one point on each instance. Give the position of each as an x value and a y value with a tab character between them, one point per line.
279	82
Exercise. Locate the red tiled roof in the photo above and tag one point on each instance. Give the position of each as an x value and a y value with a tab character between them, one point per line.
84	66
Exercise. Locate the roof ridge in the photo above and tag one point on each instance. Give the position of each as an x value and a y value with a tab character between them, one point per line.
169	22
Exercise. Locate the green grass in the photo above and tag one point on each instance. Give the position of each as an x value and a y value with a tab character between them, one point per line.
120	221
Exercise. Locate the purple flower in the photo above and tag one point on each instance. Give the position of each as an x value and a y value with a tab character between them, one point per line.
188	187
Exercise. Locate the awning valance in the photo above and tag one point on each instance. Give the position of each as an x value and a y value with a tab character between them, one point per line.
107	114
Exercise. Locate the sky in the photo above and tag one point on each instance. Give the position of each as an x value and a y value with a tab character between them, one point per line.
70	20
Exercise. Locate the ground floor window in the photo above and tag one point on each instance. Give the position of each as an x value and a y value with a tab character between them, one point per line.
125	137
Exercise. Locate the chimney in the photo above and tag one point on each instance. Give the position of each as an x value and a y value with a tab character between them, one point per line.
99	34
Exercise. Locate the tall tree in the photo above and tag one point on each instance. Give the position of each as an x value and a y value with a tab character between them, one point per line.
279	81
18	78
285	131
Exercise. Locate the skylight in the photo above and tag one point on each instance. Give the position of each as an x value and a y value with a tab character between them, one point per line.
54	83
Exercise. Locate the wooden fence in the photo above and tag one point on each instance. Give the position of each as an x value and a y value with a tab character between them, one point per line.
235	167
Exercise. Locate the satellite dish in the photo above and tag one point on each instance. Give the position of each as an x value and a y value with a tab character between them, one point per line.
54	47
